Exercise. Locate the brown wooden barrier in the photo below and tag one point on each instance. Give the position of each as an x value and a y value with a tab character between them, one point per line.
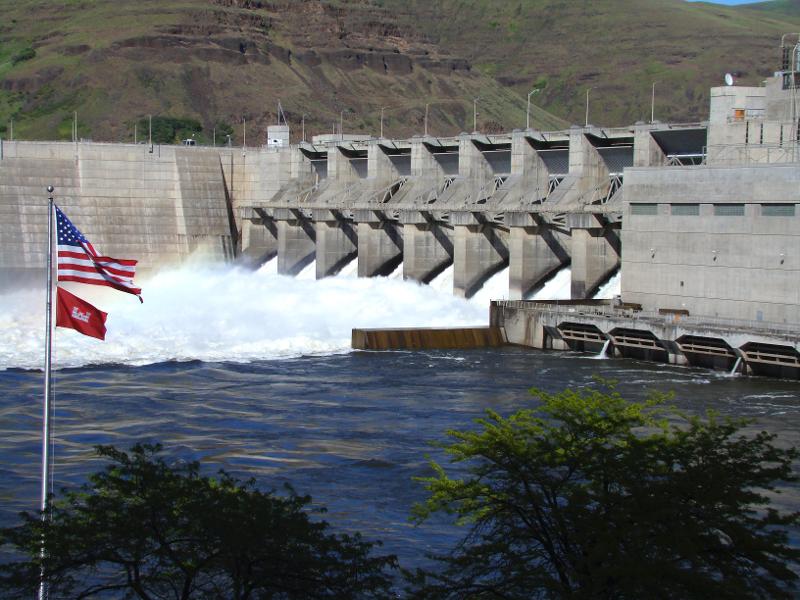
428	339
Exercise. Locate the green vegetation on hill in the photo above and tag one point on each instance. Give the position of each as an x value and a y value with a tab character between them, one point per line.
230	61
168	130
789	8
616	49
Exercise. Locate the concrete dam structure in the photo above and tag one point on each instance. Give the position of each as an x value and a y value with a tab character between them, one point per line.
158	206
528	201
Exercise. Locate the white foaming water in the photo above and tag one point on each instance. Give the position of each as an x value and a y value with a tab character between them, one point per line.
308	273
495	288
226	313
397	273
612	288
558	287
443	282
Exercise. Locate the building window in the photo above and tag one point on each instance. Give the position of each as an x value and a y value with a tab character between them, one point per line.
729	210
777	210
644	209
685	210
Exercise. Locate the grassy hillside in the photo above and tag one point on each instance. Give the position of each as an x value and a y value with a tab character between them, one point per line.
615	48
219	62
789	8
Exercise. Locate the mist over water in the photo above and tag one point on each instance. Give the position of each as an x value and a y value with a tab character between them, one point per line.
228	313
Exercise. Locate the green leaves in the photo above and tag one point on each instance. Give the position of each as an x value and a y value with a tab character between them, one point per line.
158	530
26	53
593	496
170	130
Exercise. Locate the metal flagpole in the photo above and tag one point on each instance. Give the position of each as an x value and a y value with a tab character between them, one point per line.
43	594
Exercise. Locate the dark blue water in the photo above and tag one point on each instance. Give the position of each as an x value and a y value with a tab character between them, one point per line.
351	429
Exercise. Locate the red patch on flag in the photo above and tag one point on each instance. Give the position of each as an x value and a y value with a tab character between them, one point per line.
77	314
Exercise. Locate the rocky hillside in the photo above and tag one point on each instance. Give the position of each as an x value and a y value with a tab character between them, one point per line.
209	65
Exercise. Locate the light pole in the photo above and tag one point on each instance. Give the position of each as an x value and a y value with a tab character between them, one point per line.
341	122
303	121
653	104
586	123
150	131
475	114
528	110
427	104
383	108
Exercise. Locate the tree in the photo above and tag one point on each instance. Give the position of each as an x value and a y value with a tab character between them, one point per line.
142	528
170	130
590	496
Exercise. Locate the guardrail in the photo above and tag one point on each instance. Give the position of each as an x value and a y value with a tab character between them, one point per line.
752	153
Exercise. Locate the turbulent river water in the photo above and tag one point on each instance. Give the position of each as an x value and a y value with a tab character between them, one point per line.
252	372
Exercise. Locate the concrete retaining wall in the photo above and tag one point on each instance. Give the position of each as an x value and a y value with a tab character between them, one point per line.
156	205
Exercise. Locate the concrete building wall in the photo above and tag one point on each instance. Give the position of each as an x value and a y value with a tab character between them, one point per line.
727	101
695	253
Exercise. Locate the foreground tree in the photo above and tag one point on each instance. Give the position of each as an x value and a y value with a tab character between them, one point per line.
142	528
591	496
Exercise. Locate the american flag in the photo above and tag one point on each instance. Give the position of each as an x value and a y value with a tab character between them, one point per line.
78	261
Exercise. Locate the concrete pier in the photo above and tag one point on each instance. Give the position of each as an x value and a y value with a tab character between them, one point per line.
380	247
259	240
535	253
427	250
296	241
595	250
479	251
336	242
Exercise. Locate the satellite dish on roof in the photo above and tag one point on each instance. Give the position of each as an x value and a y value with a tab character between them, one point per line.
728	79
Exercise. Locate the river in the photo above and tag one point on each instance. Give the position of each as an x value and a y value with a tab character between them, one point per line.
252	372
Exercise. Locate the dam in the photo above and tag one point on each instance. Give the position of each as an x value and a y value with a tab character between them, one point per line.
700	218
528	201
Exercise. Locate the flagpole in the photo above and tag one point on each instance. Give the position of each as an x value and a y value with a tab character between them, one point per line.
46	433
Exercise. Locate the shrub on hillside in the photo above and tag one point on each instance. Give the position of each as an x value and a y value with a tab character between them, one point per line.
23	55
170	130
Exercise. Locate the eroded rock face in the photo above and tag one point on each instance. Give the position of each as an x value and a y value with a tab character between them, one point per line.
346	38
236	49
